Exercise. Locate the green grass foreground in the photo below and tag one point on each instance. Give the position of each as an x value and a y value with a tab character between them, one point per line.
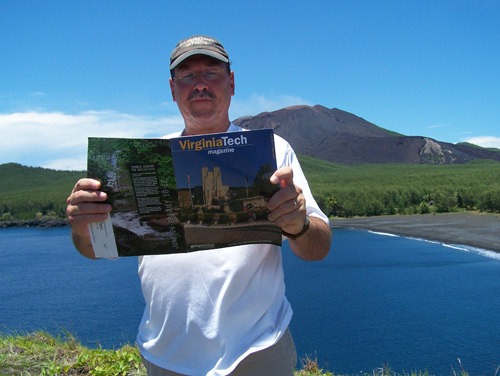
40	353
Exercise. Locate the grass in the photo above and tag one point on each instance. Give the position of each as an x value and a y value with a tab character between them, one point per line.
40	353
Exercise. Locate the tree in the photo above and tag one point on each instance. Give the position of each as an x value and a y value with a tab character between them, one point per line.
490	200
331	204
459	199
427	198
390	208
262	186
424	208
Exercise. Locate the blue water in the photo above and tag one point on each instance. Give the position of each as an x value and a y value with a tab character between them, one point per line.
47	284
375	299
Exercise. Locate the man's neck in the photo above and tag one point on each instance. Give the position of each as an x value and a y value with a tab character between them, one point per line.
205	129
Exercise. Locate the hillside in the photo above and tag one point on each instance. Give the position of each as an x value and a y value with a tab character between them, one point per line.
396	188
478	147
27	193
30	192
341	137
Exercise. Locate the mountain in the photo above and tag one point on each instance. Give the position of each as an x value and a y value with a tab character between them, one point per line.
341	137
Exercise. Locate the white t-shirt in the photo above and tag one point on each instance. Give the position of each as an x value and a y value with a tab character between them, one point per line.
206	311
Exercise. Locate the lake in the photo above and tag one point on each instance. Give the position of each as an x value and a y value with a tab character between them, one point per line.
375	299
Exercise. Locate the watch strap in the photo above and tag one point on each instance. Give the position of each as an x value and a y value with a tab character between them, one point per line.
307	224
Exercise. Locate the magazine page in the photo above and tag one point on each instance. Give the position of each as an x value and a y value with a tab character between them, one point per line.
223	188
138	176
185	194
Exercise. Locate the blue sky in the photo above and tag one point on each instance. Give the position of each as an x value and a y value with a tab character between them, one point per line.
75	69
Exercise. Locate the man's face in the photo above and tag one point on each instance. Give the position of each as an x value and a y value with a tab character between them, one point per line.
203	104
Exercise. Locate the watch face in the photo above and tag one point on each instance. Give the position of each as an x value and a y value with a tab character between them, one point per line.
307	223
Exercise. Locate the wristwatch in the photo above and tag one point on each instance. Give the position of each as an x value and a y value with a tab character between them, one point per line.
307	224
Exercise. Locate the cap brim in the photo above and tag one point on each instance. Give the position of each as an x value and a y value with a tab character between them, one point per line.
185	55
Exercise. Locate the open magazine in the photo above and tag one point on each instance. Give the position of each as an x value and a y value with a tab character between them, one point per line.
183	194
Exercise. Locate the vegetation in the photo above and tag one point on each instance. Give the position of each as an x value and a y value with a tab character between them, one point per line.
40	353
388	189
33	192
28	193
117	154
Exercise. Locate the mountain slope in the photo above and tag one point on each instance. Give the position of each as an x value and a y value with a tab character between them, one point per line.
341	137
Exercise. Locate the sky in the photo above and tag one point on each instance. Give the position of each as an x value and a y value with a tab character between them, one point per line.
70	70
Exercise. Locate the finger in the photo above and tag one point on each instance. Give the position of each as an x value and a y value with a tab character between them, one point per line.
82	214
84	219
87	208
288	206
80	196
289	193
85	190
283	176
285	208
291	222
87	184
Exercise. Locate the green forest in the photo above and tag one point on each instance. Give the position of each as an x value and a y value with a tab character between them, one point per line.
33	192
388	189
341	190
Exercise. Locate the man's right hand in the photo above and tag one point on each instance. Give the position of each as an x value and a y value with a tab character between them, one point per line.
85	206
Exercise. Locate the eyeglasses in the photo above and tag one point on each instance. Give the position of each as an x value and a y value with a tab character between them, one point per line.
210	74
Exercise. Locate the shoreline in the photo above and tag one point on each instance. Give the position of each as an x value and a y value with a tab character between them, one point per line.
478	230
42	223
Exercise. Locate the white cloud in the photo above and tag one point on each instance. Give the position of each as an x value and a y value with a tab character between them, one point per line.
77	163
57	140
485	141
438	126
257	104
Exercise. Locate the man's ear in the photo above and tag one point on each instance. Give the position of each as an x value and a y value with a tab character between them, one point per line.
171	82
231	78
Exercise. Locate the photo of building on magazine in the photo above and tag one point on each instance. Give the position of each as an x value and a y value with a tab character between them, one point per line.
184	194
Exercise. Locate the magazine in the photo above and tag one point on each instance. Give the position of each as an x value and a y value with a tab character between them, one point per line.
183	194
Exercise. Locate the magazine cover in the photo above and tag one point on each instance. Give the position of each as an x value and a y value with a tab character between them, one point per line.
184	194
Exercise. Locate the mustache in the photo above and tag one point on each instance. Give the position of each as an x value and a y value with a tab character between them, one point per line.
201	94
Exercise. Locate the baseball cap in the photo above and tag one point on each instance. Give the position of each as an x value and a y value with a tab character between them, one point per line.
197	45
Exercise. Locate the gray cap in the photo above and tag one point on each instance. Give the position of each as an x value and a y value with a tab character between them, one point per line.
197	45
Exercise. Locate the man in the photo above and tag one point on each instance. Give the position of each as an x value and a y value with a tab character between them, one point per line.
222	311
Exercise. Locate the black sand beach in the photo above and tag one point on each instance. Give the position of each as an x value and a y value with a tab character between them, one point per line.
463	228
